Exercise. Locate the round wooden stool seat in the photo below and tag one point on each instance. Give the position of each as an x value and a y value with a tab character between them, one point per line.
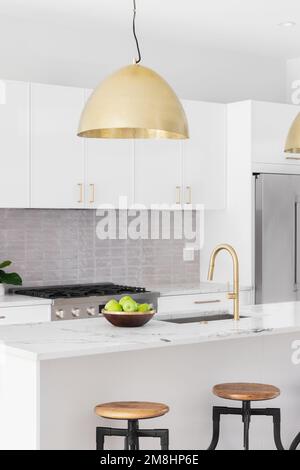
131	410
246	391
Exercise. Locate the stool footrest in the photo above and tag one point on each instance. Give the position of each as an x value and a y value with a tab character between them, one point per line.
113	432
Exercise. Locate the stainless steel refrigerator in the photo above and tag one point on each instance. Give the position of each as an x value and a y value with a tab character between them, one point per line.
277	238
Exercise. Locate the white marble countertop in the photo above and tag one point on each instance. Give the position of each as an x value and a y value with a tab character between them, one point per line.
205	287
22	301
77	338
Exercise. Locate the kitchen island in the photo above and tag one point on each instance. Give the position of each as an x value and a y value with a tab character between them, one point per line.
52	379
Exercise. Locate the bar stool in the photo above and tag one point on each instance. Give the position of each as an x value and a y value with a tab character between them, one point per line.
295	443
246	393
131	411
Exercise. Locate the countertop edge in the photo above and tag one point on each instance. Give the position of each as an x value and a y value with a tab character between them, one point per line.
41	357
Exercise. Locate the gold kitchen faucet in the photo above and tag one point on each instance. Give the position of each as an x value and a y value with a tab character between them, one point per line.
235	295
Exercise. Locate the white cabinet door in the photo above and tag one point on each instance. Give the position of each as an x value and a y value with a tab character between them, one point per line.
204	155
158	174
57	153
14	144
109	171
270	126
25	314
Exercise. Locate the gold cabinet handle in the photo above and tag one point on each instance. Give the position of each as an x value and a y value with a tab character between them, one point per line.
231	296
200	302
92	198
189	195
178	195
80	186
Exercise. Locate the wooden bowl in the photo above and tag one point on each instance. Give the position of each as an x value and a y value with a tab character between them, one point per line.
128	319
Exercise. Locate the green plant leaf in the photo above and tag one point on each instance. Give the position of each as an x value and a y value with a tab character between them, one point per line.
10	278
4	264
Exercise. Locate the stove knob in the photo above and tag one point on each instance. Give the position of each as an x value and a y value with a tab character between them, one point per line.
60	314
91	311
76	312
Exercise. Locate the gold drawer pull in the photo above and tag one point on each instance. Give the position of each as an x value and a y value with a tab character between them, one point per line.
189	195
231	296
92	188
178	195
80	186
200	302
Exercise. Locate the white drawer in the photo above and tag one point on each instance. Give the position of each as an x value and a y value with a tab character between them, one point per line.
200	302
28	314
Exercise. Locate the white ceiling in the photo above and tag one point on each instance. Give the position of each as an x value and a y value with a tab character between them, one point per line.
104	25
215	50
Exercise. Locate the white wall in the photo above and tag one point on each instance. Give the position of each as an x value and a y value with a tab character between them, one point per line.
234	225
68	53
293	81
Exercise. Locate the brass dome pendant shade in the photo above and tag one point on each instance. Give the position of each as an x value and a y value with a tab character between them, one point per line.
134	103
293	141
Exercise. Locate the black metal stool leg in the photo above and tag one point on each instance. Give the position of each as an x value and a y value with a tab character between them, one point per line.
295	443
133	440
164	440
246	420
216	428
100	434
162	434
137	443
277	428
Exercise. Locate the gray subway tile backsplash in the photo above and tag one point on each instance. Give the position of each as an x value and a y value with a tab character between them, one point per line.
61	246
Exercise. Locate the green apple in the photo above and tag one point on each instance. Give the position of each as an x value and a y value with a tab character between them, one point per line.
124	299
144	308
113	306
130	306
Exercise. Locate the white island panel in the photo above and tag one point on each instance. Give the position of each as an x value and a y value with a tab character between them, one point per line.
19	402
182	377
53	375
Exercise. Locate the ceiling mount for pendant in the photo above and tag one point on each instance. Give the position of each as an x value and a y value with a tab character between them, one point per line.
134	103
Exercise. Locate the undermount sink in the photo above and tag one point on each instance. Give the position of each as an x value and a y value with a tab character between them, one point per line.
202	318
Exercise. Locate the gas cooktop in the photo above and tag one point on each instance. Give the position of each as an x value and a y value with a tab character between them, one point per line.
78	290
85	300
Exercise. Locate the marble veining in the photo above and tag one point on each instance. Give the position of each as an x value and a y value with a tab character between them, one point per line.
96	336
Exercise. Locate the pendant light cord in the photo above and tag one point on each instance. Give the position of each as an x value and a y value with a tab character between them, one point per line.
138	60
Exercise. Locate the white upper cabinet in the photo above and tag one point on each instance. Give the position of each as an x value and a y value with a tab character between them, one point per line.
57	154
158	174
270	126
109	172
44	164
204	155
14	144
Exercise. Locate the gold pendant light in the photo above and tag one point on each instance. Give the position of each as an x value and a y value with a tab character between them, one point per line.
293	141
134	103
